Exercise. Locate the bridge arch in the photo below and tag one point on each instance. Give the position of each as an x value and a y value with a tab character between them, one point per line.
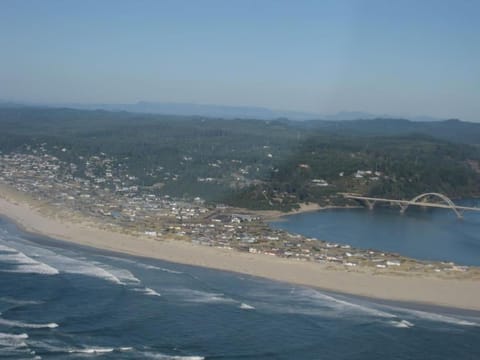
442	197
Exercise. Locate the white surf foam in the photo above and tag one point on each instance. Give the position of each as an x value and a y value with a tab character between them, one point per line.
142	265
13	341
347	305
71	265
15	257
13	336
198	296
20	324
98	350
148	291
159	356
92	351
116	258
401	324
7	249
42	269
439	317
24	263
244	306
124	275
153	267
19	302
316	303
435	317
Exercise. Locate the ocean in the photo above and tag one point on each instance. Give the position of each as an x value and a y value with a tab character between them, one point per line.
63	301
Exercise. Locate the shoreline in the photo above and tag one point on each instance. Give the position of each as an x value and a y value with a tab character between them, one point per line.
427	290
277	215
419	306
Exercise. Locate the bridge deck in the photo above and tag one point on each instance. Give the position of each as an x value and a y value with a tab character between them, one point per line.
408	202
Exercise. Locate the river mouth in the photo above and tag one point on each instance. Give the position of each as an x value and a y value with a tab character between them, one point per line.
424	234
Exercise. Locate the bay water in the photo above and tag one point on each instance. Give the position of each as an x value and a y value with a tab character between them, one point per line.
431	234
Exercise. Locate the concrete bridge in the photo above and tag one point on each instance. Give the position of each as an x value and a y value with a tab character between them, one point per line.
423	200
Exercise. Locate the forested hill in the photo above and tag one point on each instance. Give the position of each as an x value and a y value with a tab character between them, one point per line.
254	163
452	130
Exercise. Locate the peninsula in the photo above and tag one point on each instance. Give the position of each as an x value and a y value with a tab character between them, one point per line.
425	288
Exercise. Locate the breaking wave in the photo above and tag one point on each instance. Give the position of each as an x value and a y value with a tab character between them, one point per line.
143	266
244	306
342	305
22	263
152	355
123	276
91	351
13	301
99	350
13	336
197	296
315	303
153	267
20	324
53	263
448	319
148	291
401	324
13	340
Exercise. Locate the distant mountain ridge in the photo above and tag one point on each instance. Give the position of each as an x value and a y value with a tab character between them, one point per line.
451	130
220	111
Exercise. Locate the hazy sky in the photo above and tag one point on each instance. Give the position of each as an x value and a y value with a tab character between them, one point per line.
396	57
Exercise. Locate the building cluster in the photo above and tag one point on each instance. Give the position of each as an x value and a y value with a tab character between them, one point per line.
367	174
102	188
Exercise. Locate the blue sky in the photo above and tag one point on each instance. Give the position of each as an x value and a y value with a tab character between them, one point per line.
395	57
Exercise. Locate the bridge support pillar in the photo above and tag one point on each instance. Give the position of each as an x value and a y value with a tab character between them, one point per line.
370	204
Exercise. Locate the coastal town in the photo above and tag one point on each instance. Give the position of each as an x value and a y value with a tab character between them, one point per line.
104	192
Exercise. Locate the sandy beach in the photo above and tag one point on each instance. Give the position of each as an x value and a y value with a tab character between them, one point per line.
276	215
456	293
